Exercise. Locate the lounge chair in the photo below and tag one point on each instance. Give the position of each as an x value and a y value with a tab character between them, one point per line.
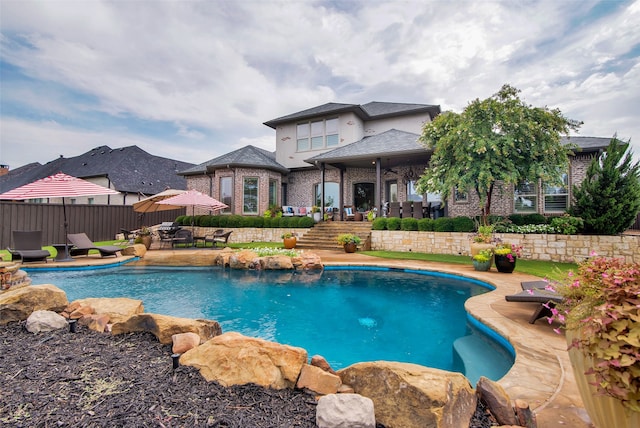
27	246
182	237
219	236
82	244
535	291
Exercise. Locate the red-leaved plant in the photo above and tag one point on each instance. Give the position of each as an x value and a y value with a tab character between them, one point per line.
603	300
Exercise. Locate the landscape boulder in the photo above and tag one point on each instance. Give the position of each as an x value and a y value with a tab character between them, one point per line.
138	250
234	359
278	262
345	411
182	342
118	308
17	304
307	261
95	322
409	395
244	259
315	379
497	401
164	326
40	321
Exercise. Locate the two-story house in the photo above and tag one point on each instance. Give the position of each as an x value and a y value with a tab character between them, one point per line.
362	156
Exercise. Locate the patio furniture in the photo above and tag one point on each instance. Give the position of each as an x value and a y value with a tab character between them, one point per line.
82	245
406	209
219	236
417	209
535	291
394	209
349	215
182	237
27	246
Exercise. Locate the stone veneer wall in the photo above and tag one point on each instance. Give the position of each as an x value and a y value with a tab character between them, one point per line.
560	248
252	234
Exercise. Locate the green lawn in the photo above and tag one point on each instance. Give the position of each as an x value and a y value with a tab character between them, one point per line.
551	270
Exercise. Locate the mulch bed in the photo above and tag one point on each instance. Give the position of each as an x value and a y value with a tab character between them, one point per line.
90	379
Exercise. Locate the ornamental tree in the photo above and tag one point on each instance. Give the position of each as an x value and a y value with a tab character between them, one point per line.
608	200
497	139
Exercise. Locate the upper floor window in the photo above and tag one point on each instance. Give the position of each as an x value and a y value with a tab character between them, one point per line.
525	197
556	198
90	201
317	134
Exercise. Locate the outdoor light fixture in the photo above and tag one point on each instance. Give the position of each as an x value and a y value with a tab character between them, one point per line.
176	360
72	325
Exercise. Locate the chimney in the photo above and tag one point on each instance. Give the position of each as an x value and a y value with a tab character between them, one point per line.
4	170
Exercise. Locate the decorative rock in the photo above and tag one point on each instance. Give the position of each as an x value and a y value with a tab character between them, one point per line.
242	259
95	322
222	257
409	395
307	261
317	380
321	362
81	311
118	308
497	401
164	326
345	411
40	321
276	262
234	359
182	342
18	304
138	250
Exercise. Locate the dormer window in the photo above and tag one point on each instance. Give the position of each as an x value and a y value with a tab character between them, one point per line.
317	134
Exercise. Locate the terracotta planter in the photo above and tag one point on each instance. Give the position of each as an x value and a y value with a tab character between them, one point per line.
482	266
604	411
350	248
146	240
290	243
504	265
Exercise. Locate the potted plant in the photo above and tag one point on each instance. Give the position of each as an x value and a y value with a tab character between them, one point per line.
144	236
482	239
289	240
506	256
482	260
371	215
315	212
349	241
601	314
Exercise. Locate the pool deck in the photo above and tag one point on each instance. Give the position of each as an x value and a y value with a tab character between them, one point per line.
542	374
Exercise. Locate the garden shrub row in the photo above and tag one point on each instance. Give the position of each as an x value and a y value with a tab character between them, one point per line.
240	221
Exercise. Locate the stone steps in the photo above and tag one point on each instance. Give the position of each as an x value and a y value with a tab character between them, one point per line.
324	234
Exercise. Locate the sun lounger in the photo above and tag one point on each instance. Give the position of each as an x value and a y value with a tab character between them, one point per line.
82	245
27	246
534	291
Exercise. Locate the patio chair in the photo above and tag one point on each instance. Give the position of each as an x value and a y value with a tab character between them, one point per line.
182	237
406	209
417	209
394	209
219	236
535	291
82	245
349	215
27	246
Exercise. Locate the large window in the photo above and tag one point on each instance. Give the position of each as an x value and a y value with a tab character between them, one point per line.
556	198
316	135
525	198
226	193
364	196
331	194
392	191
273	192
250	195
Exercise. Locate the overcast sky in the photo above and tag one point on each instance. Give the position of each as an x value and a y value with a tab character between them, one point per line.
191	80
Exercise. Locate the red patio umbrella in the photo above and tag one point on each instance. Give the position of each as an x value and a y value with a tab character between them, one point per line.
59	185
193	199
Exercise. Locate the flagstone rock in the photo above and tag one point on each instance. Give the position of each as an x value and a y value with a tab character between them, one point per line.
182	342
345	411
164	326
222	257
118	308
321	362
276	262
497	401
317	380
244	259
40	321
307	261
95	322
234	359
11	276
138	250
409	395
81	311
18	304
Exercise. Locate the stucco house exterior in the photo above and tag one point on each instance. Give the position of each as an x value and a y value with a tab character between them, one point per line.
361	156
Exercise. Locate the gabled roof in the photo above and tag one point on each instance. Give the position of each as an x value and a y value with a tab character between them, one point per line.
245	157
130	170
370	111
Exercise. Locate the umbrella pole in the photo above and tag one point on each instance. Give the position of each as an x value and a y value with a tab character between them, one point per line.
66	258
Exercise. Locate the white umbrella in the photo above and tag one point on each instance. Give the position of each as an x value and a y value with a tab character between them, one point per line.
193	199
149	205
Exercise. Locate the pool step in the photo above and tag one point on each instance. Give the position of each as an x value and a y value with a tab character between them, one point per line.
477	355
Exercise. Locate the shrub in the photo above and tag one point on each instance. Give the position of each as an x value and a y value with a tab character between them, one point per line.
284	221
425	225
214	220
268	222
534	218
258	222
380	223
517	219
463	224
393	223
409	223
224	221
443	224
180	219
305	222
234	221
567	225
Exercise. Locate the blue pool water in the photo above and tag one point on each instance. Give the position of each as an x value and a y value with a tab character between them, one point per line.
345	315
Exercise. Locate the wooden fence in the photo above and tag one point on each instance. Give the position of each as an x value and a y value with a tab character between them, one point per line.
99	222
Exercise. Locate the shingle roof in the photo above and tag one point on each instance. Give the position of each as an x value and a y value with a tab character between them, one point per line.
370	111
247	156
389	143
130	169
588	144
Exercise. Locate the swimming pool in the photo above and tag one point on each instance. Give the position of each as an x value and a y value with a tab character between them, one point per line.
347	315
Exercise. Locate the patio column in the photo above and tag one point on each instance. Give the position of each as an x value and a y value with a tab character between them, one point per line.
322	169
378	187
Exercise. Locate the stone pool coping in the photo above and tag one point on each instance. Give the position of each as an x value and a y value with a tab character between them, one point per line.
541	375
